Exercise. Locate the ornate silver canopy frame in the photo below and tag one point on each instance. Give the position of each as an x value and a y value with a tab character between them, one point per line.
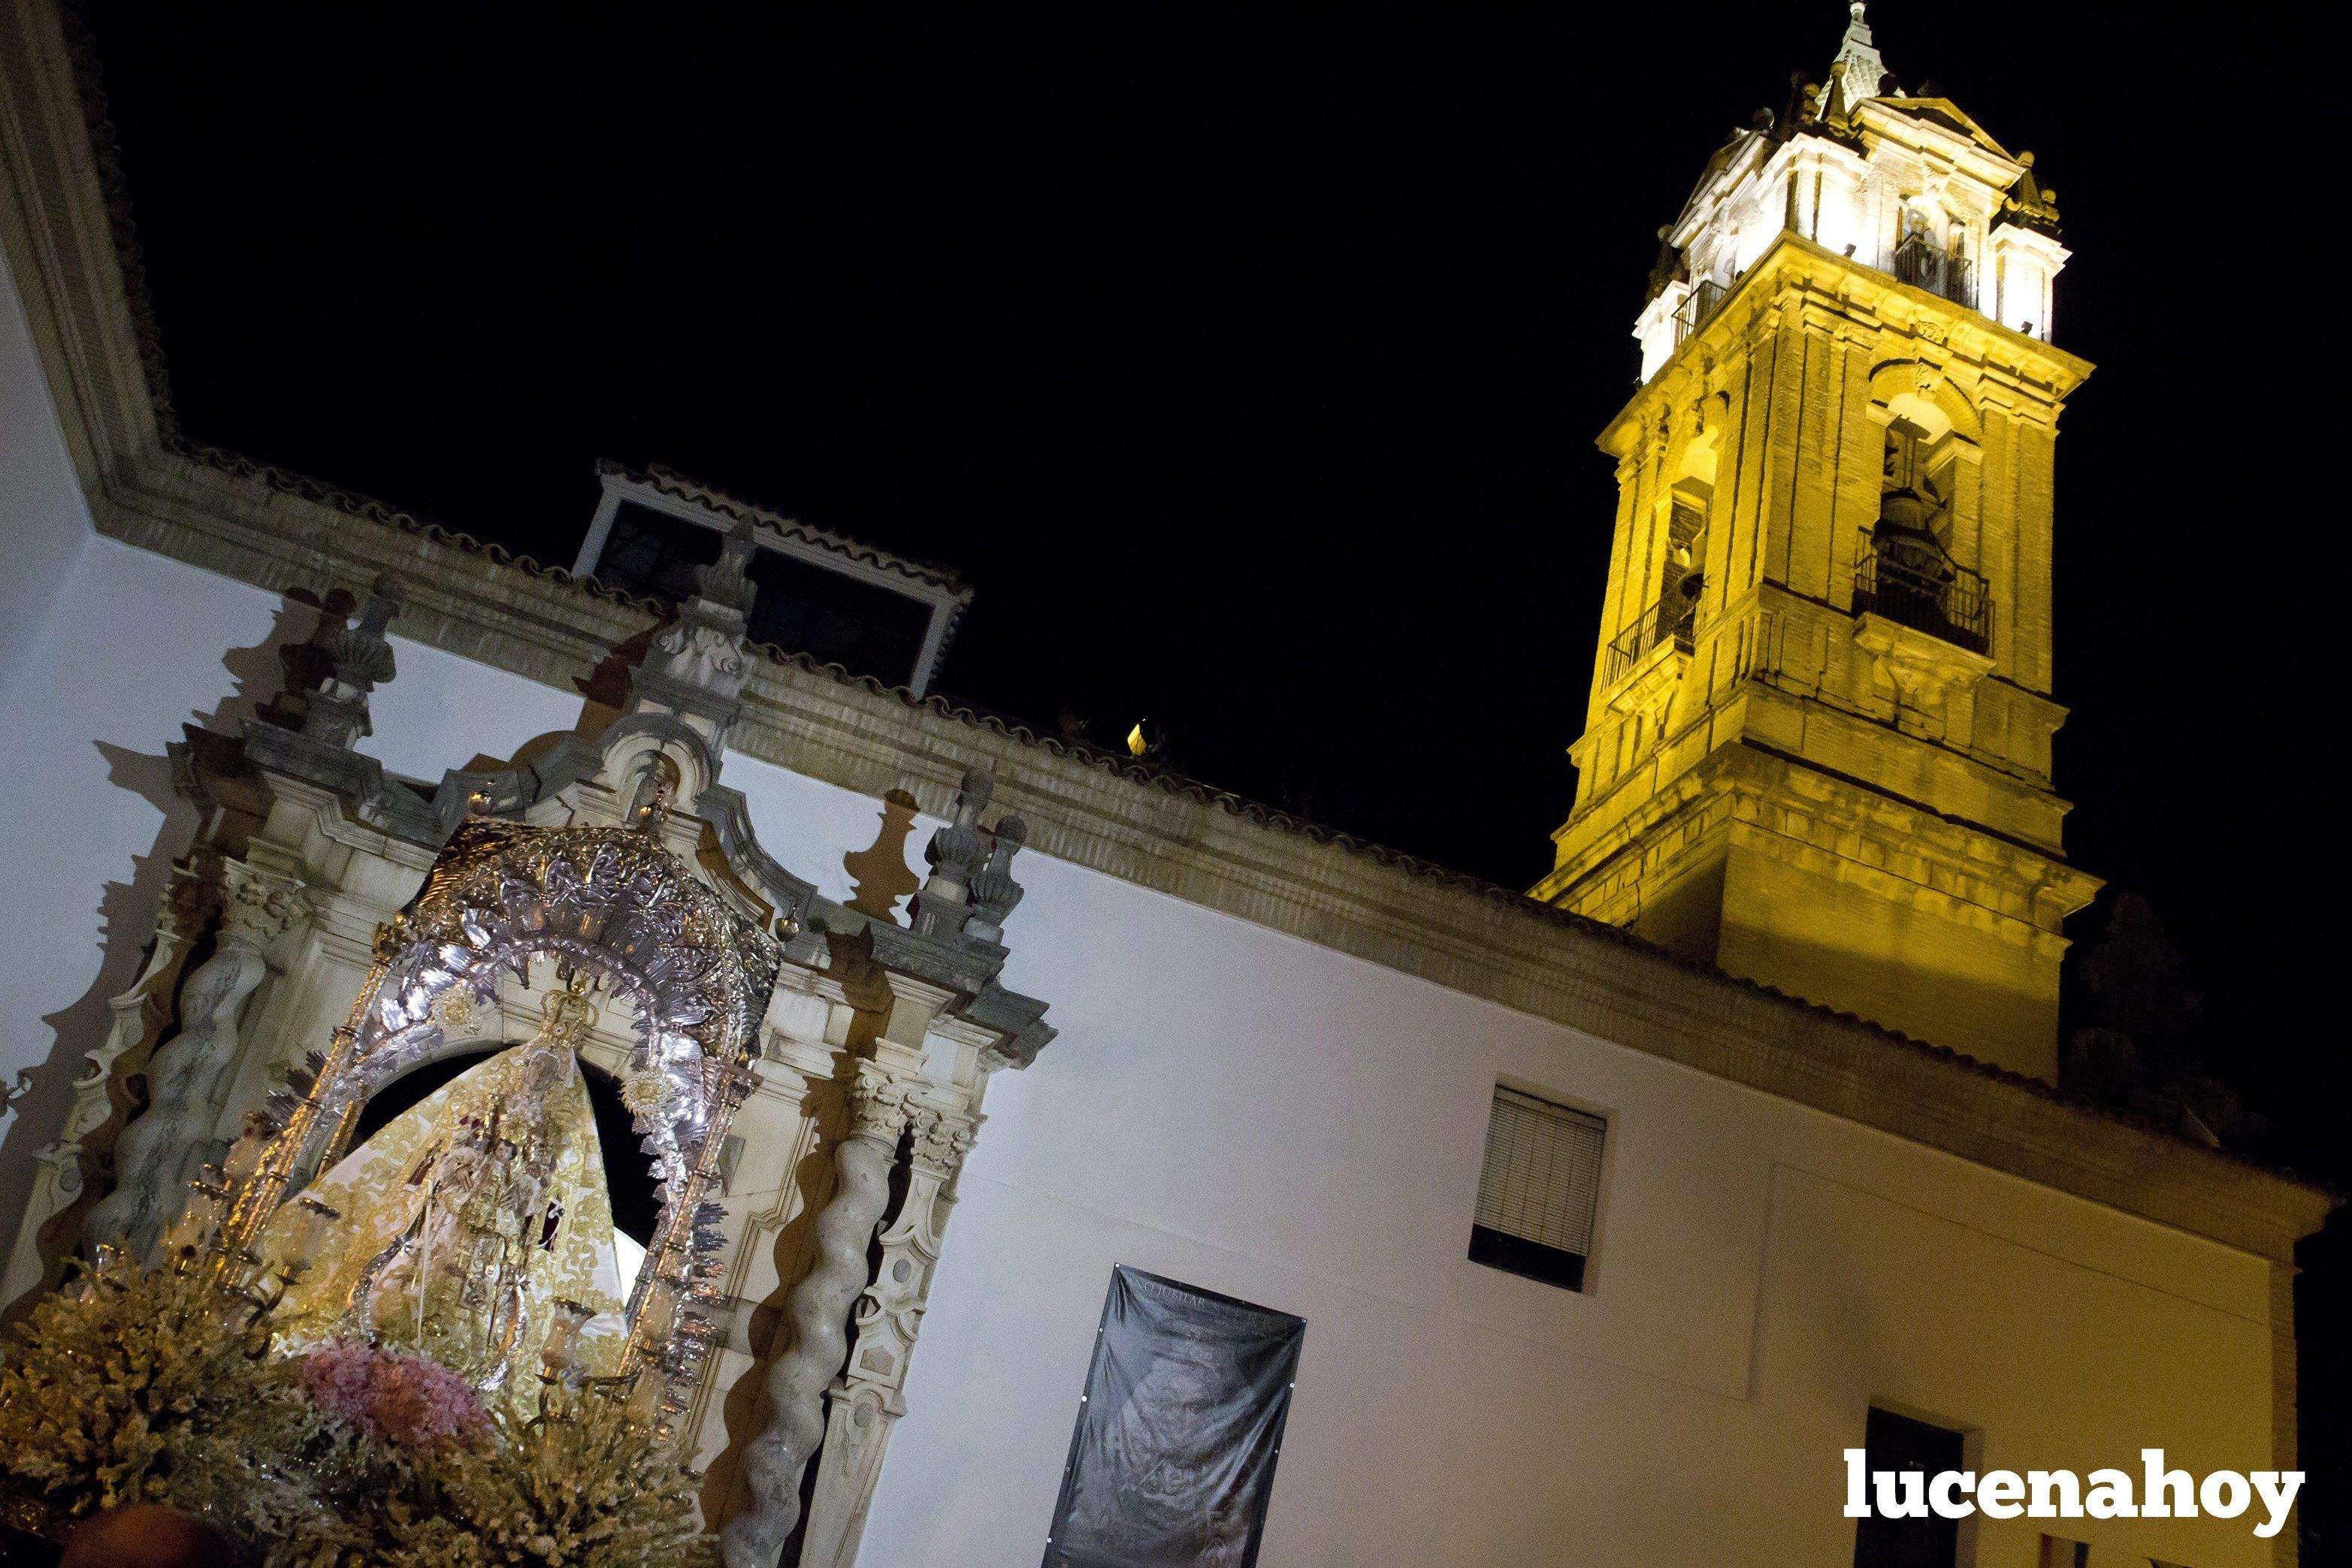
660	894
614	904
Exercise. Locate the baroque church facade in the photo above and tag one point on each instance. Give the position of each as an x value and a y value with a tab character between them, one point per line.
1598	1223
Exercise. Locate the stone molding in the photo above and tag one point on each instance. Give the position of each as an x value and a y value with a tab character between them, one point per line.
279	531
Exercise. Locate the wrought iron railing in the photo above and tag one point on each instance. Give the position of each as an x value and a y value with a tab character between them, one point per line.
1705	295
1923	264
1946	600
1674	617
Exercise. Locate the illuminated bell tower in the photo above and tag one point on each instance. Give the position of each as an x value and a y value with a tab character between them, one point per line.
1817	748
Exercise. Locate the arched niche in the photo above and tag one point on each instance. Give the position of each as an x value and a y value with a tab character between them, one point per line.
1695	465
650	753
631	1184
1922	395
615	905
1686	507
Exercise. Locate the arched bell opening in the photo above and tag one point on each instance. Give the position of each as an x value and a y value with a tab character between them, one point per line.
1910	572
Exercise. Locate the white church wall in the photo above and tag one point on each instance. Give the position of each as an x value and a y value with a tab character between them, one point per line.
44	522
1252	1113
130	649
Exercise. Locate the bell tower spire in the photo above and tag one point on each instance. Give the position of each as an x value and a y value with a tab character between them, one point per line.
1817	746
1859	69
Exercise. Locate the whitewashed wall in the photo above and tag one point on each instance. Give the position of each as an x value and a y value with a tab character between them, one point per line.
43	520
1254	1115
44	529
1270	1120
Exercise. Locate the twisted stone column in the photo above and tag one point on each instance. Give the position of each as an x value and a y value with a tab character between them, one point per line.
819	1309
866	1400
102	1095
164	1149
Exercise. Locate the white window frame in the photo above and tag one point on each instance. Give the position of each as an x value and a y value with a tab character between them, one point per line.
945	602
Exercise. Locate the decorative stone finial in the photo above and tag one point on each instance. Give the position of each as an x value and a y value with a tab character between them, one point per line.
359	660
1859	71
993	892
2029	202
697	667
726	581
956	854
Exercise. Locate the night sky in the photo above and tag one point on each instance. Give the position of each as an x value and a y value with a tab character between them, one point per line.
1247	361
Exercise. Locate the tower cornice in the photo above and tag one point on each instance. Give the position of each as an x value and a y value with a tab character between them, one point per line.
1796	272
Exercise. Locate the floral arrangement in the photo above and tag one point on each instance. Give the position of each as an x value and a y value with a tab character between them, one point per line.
584	1489
134	1388
392	1394
149	1385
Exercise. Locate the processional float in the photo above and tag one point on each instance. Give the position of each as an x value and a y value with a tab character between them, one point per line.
618	915
619	876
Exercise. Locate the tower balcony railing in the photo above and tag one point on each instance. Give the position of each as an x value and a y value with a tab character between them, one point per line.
1947	602
1922	263
1706	295
1672	619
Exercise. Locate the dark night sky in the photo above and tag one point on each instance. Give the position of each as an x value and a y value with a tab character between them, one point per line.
1247	360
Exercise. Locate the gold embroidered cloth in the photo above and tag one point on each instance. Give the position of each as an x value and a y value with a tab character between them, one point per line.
491	1295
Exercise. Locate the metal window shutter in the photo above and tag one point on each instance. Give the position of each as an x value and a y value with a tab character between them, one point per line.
1542	1177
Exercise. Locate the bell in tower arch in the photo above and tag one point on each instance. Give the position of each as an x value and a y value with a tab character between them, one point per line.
1913	573
1908	502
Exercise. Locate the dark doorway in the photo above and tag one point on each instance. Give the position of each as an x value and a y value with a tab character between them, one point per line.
1900	1443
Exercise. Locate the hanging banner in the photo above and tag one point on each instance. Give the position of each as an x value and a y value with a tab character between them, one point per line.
1173	1461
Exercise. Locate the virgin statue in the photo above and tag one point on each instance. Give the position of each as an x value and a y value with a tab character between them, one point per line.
475	1227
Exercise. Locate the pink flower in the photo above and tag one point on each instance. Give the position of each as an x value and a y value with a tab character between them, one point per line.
408	1399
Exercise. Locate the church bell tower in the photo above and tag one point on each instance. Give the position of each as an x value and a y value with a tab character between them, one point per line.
1817	747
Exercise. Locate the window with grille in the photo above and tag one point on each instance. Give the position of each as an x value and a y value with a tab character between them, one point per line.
1539	1189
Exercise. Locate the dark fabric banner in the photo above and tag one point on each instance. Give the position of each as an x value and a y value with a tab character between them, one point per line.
1173	1458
